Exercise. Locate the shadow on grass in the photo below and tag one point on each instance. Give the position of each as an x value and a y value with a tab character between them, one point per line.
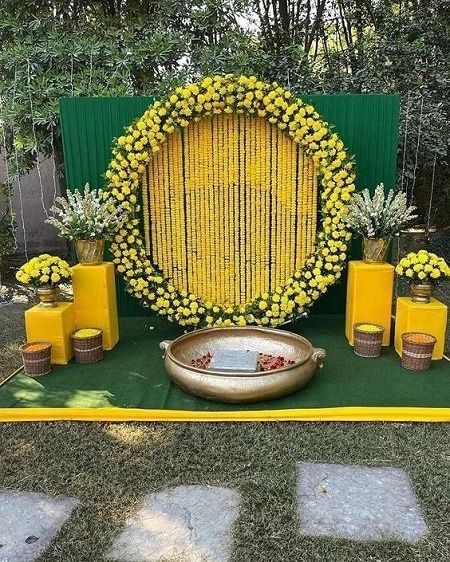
110	467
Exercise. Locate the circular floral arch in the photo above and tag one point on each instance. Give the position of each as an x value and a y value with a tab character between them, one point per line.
249	96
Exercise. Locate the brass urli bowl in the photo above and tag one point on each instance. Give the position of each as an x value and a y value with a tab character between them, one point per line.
238	387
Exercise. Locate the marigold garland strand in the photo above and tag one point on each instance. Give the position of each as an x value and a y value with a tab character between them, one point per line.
189	218
242	182
168	199
157	211
235	182
266	204
146	209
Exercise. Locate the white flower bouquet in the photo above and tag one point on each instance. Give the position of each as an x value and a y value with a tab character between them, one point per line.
87	215
380	216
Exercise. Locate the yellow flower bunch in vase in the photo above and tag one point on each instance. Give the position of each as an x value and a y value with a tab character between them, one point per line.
423	269
45	273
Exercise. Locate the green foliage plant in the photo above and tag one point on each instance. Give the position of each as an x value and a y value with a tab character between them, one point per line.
7	224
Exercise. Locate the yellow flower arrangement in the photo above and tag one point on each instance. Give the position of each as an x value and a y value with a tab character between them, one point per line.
368	328
246	96
86	333
44	270
423	267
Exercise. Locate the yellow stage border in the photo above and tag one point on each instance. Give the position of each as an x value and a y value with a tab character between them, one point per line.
344	413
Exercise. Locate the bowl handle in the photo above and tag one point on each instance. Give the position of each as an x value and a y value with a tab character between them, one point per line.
164	345
318	356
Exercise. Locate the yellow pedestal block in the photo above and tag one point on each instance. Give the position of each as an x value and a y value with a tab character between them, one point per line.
430	318
94	296
369	296
52	325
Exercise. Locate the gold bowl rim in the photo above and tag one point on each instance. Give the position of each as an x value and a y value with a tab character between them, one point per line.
231	374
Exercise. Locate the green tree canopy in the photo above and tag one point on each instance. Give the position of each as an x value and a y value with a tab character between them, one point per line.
134	47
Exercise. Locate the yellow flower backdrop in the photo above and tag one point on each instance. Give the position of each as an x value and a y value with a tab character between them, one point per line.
222	95
229	208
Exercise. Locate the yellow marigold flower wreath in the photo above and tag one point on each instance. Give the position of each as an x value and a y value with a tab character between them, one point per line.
250	96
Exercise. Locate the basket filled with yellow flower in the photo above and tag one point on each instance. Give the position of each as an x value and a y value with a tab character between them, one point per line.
45	273
36	358
368	339
424	270
88	345
417	350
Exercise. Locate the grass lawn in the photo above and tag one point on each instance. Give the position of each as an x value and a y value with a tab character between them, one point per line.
109	467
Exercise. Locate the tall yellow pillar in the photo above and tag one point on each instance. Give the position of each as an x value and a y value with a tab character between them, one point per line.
53	325
94	297
369	296
430	318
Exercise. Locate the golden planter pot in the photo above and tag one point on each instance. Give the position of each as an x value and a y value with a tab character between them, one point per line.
238	387
421	292
90	252
375	249
48	296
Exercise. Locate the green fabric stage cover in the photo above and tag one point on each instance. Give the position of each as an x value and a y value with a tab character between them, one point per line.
132	376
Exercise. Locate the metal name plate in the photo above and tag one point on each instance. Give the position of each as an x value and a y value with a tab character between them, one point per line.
236	360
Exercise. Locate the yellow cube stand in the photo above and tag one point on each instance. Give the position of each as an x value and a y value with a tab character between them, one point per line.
430	318
369	296
94	296
52	325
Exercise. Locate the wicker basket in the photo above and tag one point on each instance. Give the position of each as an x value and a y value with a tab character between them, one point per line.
37	363
88	350
417	350
367	344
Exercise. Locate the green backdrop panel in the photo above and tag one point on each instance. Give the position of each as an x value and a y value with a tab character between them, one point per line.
88	127
367	123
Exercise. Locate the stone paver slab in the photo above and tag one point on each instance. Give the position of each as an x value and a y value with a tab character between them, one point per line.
183	524
357	502
29	521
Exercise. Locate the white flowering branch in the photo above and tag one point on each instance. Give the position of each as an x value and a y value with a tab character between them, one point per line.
380	216
88	215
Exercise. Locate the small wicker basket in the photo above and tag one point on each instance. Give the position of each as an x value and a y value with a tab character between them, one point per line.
367	344
417	350
37	358
88	349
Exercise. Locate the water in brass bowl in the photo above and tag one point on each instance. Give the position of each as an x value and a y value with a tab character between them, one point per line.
239	387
